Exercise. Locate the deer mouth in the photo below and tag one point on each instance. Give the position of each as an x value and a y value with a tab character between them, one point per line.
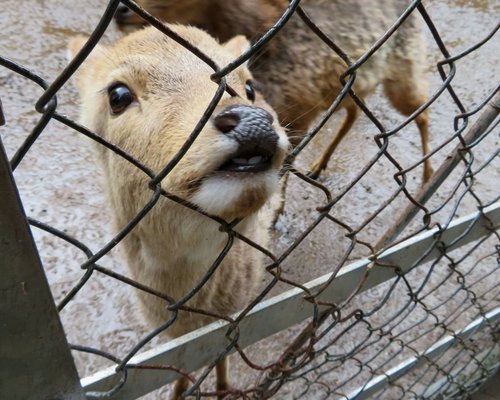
253	156
247	162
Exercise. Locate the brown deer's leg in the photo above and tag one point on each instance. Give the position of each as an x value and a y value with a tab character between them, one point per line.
320	164
298	130
222	378
281	201
407	96
422	121
406	84
180	386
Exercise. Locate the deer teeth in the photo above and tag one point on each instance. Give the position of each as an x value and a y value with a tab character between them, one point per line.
250	161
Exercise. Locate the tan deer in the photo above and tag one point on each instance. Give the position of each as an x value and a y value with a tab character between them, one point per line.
145	94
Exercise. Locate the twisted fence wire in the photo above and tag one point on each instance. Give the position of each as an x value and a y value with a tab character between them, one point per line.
343	346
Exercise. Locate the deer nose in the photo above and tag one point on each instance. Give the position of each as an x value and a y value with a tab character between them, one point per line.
247	116
249	126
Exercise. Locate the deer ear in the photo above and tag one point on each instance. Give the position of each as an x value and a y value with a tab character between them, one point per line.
74	46
88	67
77	43
237	45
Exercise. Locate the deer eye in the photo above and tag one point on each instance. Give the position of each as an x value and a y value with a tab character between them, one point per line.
250	91
120	97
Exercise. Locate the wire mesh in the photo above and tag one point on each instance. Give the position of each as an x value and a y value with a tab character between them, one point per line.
344	346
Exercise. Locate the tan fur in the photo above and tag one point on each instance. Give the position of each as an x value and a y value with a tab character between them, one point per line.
172	248
300	73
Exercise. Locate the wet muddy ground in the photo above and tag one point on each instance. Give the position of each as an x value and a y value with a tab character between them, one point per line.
59	180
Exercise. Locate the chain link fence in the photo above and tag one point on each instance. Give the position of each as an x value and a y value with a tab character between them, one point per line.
416	316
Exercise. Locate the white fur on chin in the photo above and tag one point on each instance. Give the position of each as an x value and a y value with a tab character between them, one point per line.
218	194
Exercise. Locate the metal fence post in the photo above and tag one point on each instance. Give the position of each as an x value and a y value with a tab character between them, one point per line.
35	358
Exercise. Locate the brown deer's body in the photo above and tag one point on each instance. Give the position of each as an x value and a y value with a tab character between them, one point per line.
300	73
145	94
